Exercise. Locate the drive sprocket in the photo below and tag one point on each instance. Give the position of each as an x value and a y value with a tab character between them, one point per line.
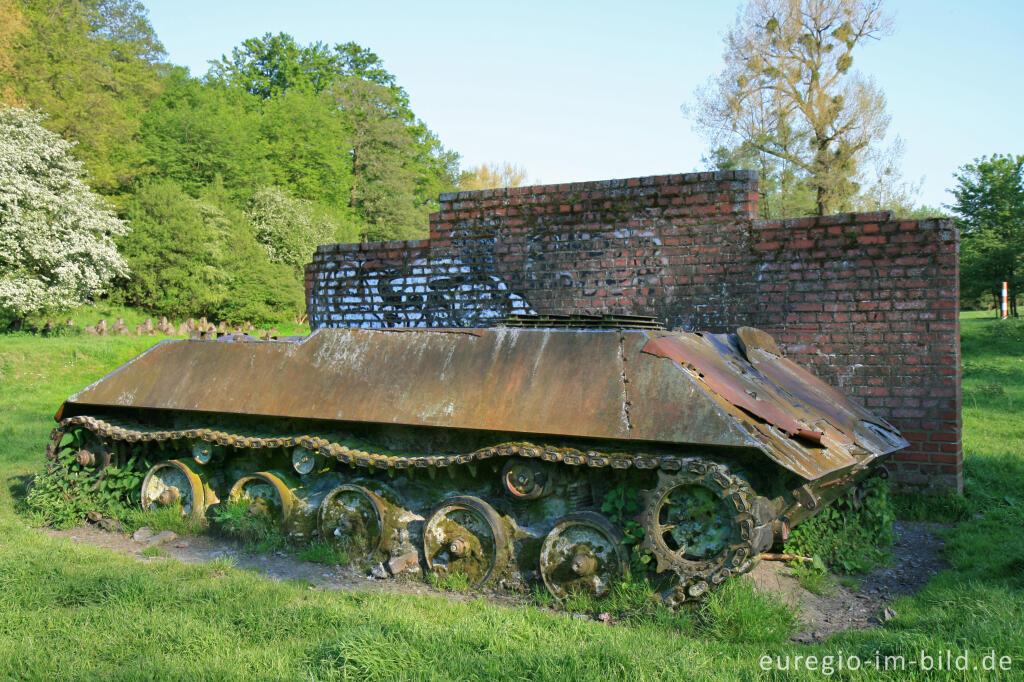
704	524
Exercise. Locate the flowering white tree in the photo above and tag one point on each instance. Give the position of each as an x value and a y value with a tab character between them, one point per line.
288	227
56	235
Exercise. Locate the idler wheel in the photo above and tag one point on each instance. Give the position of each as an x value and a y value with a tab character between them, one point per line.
269	493
79	453
583	553
701	524
466	535
352	518
176	482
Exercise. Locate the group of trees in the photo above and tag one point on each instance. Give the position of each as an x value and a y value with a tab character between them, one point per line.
227	181
989	209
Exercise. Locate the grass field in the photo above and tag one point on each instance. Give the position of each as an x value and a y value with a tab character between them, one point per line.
92	313
71	611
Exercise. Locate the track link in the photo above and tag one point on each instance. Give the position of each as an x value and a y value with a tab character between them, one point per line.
130	432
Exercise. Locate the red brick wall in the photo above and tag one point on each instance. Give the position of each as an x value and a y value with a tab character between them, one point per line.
872	306
868	303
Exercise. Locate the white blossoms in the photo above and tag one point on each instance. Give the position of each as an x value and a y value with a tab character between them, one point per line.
56	246
287	227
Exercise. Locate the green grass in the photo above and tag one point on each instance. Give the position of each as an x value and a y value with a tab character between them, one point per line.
73	611
92	313
737	614
153	551
161	519
322	553
813	577
455	581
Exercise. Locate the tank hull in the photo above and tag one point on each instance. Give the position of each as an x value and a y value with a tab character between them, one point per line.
656	387
511	456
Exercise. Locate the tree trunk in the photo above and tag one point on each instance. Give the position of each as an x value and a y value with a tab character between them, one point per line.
352	191
820	165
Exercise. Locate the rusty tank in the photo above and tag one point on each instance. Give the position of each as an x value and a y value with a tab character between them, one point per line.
535	453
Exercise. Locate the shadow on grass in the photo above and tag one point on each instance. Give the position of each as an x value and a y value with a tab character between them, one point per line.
18	487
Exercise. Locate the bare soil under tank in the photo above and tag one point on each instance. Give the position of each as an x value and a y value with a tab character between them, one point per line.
916	558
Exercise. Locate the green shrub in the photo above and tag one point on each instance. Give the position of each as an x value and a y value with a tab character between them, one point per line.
58	501
854	533
620	504
65	492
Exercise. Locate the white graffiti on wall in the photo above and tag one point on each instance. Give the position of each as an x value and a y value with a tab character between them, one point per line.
420	293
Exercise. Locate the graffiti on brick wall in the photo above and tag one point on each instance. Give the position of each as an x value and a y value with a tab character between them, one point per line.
624	259
616	261
419	293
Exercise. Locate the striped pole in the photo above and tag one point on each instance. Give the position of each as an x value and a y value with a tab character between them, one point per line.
1006	302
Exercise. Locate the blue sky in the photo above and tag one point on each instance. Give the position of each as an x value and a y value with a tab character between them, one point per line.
591	90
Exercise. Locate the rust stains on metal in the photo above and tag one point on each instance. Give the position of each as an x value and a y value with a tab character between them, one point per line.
605	384
529	381
726	381
752	339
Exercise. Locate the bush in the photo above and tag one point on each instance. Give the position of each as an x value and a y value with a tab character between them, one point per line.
200	257
287	227
173	254
62	495
854	533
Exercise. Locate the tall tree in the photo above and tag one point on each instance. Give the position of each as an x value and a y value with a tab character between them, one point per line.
396	165
275	64
883	187
788	90
196	132
94	67
307	146
12	23
784	190
493	176
56	236
989	210
383	161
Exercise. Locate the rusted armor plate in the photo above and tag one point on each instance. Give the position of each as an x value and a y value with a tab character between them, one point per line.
598	384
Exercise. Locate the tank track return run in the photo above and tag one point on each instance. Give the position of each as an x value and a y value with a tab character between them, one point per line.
510	455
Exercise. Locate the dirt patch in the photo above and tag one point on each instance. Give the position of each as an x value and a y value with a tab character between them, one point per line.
194	549
916	558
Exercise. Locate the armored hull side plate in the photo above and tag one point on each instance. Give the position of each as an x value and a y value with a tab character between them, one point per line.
568	383
661	387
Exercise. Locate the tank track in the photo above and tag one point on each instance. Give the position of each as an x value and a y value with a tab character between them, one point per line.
747	511
136	433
